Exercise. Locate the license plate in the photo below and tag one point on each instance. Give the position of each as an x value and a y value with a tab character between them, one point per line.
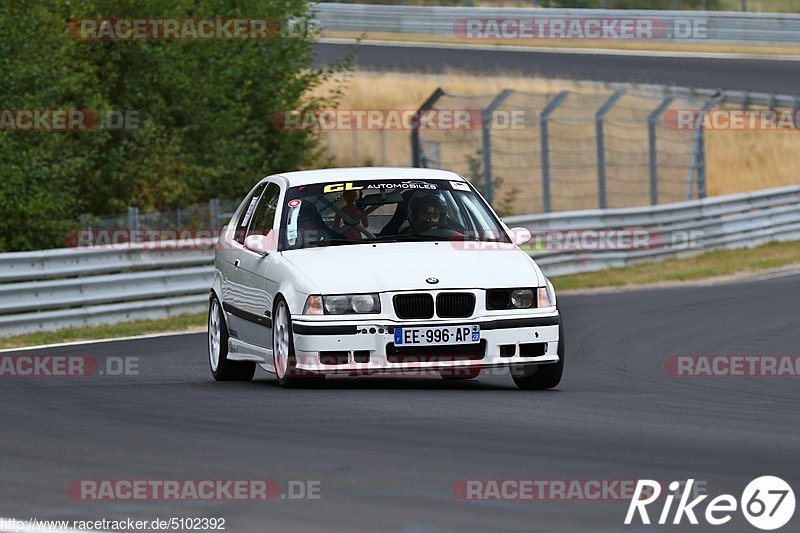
437	335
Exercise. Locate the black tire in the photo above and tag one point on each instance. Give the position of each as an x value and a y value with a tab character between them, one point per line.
542	377
459	374
292	377
226	369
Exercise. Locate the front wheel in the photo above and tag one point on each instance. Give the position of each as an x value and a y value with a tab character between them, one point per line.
222	368
283	357
542	377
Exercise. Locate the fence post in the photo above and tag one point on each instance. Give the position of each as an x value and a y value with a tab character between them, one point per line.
698	166
383	147
416	148
133	218
601	146
486	127
544	120
652	120
213	213
354	135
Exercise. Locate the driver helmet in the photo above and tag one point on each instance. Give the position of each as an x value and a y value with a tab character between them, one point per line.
426	202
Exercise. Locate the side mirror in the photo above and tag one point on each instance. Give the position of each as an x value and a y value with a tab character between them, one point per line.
520	236
258	243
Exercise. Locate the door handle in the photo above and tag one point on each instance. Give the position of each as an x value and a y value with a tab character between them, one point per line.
236	263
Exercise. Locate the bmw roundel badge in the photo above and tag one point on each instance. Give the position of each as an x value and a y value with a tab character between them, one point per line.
432	281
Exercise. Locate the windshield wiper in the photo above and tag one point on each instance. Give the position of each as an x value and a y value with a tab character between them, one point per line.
327	242
404	238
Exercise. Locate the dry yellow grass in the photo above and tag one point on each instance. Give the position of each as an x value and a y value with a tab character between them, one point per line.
743	161
737	161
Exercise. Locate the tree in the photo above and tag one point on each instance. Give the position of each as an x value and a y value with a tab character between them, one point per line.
203	106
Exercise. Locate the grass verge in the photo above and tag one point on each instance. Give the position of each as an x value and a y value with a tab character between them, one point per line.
703	266
125	329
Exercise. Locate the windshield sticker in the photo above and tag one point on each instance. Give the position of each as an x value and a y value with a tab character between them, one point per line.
339	187
291	223
459	186
294	203
403	185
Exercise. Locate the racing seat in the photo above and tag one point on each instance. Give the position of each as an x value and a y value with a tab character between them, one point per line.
400	215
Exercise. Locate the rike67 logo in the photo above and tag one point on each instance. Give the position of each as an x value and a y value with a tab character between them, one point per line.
767	503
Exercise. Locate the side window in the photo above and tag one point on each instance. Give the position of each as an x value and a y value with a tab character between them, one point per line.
264	216
247	210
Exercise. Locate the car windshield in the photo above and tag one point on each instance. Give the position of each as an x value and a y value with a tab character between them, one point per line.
370	211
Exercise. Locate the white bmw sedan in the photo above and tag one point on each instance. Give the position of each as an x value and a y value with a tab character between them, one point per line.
376	270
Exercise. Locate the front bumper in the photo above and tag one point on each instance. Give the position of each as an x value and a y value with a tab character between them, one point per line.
366	346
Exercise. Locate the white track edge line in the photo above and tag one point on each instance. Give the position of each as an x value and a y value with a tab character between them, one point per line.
100	341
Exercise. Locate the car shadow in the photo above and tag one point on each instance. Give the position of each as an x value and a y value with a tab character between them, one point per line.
393	382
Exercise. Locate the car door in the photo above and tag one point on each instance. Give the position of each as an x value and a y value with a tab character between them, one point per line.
255	301
229	256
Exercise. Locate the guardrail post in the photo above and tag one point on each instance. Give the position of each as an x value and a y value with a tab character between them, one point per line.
601	146
416	145
544	136
486	127
133	218
213	213
652	120
698	166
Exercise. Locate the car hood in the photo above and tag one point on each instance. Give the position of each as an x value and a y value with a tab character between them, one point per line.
407	266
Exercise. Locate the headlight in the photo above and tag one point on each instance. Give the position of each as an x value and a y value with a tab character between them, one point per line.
522	298
342	304
336	305
365	303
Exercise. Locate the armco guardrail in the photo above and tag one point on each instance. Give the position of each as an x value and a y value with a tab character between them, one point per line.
53	289
72	287
573	242
725	27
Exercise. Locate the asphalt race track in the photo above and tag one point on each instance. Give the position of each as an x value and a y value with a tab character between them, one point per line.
758	75
388	451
